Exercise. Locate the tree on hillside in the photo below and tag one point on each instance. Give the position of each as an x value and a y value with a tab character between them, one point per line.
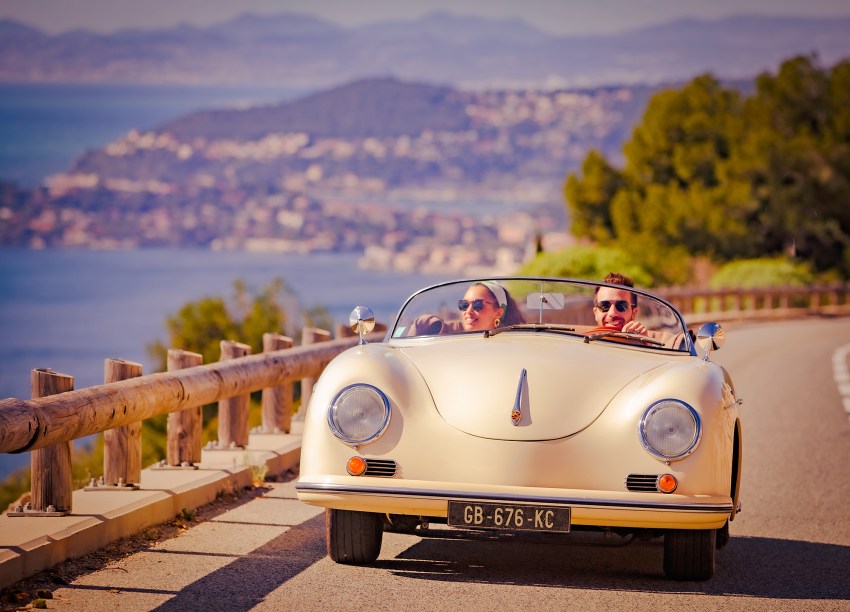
200	327
709	173
796	155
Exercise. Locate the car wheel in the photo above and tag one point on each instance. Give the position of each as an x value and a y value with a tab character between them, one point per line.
723	536
353	537
689	553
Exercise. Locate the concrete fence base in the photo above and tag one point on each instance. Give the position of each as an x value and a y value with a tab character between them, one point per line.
30	544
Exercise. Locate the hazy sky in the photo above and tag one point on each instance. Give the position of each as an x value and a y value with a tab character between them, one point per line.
557	16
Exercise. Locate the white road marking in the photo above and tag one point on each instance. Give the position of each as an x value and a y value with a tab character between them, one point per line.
841	375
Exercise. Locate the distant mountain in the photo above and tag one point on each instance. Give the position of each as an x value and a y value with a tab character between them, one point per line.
456	30
462	51
375	108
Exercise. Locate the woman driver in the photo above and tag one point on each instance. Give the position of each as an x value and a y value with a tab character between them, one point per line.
486	305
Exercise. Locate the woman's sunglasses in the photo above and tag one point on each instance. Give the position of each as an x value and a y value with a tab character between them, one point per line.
605	305
477	305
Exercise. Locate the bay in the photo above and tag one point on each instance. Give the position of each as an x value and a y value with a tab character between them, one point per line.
70	310
44	126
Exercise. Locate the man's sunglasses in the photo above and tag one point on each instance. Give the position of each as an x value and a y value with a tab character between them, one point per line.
477	305
605	305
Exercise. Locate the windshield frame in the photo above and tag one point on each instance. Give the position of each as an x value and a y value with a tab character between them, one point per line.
396	330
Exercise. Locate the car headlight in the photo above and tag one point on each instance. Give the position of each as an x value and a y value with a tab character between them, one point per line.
359	414
670	429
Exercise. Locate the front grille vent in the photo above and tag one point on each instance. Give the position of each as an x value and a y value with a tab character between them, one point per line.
380	467
642	482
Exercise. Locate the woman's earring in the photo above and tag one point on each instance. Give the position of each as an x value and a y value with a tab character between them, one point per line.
497	321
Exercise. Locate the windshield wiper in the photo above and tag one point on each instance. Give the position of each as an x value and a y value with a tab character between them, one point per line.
556	327
622	334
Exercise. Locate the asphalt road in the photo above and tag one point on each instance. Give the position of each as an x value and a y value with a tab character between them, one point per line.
790	547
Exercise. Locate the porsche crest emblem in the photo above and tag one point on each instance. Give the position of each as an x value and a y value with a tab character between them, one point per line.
521	398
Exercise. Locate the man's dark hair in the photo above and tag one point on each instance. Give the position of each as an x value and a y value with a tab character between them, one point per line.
615	278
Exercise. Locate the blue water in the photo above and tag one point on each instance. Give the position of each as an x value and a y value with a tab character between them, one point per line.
43	127
70	310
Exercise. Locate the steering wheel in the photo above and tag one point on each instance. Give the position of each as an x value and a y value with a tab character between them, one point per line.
627	337
601	329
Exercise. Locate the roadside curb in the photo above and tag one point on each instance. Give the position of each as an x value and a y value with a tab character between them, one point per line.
29	545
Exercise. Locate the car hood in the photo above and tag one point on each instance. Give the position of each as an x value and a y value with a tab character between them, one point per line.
560	385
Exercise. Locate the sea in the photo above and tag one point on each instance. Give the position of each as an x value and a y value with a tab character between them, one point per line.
68	310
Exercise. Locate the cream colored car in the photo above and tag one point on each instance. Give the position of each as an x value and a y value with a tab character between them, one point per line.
512	410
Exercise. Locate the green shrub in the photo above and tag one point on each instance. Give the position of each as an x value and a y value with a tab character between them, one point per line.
585	262
760	273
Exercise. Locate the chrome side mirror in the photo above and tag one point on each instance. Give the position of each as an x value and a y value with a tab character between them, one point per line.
362	322
710	337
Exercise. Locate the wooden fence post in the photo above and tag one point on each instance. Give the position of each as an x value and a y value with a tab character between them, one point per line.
309	335
183	437
233	411
277	401
784	298
833	298
122	446
52	481
344	331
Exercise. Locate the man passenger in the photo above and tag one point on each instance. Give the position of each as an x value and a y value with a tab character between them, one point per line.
617	308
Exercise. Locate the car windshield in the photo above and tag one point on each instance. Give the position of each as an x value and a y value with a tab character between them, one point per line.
592	311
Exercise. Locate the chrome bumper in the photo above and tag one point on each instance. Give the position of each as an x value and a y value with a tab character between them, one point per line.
434	495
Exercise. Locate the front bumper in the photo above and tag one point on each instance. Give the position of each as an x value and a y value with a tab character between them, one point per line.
591	508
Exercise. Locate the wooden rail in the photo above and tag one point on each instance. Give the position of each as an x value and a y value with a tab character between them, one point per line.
699	305
58	414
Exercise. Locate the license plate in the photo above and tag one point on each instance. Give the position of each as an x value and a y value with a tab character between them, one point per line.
513	517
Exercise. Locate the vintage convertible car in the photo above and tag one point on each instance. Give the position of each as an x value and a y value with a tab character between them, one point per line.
543	425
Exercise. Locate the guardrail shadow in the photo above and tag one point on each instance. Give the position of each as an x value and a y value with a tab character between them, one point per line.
245	582
748	566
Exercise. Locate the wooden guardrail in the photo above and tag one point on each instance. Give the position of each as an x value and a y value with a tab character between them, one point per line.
58	414
700	305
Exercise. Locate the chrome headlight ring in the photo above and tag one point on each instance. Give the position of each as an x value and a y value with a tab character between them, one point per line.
670	430
359	414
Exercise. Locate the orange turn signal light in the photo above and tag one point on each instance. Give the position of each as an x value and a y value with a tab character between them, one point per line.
667	483
356	466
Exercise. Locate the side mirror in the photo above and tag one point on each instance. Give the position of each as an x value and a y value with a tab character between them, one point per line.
710	337
362	321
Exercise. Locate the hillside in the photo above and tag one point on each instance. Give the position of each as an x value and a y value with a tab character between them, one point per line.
378	135
409	175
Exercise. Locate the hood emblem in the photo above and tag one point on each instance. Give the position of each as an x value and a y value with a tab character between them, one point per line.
521	398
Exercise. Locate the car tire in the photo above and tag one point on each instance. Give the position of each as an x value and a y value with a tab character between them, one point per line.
723	536
689	553
353	538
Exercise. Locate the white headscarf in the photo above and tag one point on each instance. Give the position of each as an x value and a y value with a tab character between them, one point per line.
498	292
